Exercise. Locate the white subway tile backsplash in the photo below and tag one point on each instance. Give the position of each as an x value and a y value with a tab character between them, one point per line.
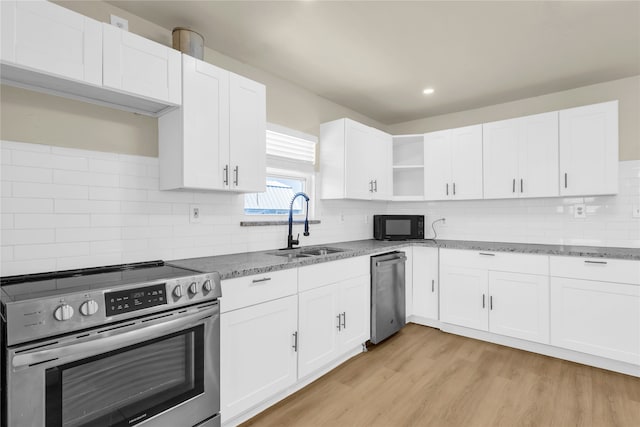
142	182
21	205
6	220
49	220
14	267
5	157
53	250
69	163
35	159
27	236
85	178
6	253
20	146
47	191
26	174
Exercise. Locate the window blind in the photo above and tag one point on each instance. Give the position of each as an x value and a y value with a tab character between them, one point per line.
290	147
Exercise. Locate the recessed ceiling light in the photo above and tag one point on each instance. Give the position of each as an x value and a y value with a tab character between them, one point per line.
428	91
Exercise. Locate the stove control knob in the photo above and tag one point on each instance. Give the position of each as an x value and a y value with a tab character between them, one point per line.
193	288
89	308
63	312
177	292
206	286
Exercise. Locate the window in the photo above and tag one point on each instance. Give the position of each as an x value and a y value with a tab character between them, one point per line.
290	170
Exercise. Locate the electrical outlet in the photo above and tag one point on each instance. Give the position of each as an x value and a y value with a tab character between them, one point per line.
121	23
579	210
636	211
194	214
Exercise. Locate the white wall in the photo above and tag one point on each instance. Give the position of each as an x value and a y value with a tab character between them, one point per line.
64	208
609	220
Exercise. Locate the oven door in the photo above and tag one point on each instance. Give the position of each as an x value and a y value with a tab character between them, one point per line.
157	371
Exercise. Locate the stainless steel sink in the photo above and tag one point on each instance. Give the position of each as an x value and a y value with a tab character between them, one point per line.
311	251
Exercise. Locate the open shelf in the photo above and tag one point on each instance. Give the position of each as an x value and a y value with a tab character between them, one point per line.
408	167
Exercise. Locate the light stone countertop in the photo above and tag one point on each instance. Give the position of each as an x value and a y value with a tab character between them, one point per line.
249	263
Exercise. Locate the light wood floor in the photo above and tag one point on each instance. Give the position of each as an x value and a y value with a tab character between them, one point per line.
425	377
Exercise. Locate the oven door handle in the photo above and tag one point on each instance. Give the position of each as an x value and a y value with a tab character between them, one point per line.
110	340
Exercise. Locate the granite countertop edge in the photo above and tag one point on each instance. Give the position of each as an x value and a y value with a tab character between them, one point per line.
252	263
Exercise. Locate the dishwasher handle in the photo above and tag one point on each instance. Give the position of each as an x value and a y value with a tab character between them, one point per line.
397	260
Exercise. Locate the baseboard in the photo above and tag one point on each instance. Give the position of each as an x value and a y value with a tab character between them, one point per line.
424	321
546	349
301	383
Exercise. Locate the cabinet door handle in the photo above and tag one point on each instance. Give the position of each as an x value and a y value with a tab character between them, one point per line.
295	341
454	188
486	254
596	262
447	188
375	186
344	320
565	180
482	300
226	175
513	186
370	186
236	171
339	322
433	285
491	302
521	185
264	279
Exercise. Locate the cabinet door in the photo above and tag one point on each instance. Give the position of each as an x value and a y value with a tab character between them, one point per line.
500	142
318	327
257	358
437	165
381	166
519	305
206	124
354	300
466	162
597	318
139	66
425	282
538	156
359	148
589	150
51	39
248	127
464	297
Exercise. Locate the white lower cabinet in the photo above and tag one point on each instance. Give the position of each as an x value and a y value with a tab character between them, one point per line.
514	304
333	320
425	282
258	357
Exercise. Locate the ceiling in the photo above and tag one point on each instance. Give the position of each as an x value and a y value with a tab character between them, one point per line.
376	57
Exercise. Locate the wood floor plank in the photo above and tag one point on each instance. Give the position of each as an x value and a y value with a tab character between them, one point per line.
425	377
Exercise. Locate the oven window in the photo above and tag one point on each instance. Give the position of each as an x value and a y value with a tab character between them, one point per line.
128	385
398	227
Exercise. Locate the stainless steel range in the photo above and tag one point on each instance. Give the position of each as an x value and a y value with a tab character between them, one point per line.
111	346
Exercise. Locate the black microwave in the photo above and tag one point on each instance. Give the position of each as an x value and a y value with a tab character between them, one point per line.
398	227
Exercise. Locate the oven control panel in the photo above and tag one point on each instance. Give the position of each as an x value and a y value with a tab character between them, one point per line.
135	299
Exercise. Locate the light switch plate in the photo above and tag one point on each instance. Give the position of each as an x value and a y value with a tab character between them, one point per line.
579	210
194	214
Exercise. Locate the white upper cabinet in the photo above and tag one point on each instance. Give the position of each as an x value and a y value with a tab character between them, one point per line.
216	139
453	164
139	66
520	157
47	38
247	133
355	161
589	150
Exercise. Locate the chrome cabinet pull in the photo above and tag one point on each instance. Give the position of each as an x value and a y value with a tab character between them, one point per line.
491	302
371	186
521	186
295	341
486	254
565	180
447	188
596	262
513	186
482	300
226	175
454	188
236	171
433	285
375	186
339	322
344	320
264	279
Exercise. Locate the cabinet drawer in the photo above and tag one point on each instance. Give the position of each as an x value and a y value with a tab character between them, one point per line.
250	290
322	274
497	261
601	269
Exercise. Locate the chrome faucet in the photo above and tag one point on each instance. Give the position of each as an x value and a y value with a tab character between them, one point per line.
290	240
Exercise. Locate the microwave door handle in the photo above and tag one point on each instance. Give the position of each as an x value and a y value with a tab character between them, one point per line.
111	340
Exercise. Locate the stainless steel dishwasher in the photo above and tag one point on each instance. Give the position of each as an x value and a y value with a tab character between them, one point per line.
387	295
